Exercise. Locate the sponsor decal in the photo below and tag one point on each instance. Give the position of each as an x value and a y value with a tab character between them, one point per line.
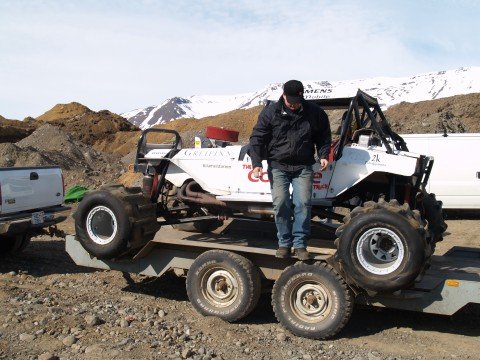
263	177
317	176
207	153
217	166
318	91
324	92
375	160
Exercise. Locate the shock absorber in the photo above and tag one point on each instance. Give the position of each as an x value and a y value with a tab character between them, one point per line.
147	185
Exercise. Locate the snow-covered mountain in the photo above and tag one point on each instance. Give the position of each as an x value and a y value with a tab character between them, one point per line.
388	91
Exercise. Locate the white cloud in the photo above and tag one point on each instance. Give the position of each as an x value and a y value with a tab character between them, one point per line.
122	55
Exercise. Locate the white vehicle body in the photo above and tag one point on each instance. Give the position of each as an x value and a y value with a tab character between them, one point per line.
223	173
29	197
455	179
30	188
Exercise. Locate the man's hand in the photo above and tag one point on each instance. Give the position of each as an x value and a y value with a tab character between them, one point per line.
257	172
323	164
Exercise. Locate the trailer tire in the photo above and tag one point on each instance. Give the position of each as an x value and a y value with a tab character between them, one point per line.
312	300
382	246
114	220
223	284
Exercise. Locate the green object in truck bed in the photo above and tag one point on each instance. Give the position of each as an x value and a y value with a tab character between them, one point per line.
75	193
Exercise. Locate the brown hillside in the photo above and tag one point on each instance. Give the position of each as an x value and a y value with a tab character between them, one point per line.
15	130
239	120
459	113
97	129
455	114
64	112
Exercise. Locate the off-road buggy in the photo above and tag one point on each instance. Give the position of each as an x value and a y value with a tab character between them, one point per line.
383	242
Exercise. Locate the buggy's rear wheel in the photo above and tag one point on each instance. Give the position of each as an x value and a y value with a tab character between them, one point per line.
114	220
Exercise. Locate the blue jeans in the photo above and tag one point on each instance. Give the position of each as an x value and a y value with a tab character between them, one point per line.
293	222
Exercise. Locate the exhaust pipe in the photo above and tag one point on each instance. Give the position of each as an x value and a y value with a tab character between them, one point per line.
187	194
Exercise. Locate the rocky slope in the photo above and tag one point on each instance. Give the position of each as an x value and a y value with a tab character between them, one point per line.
456	114
48	145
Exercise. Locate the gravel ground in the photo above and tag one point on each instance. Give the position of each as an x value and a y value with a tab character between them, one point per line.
51	308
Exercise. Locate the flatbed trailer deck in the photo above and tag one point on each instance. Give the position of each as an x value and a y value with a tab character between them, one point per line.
451	282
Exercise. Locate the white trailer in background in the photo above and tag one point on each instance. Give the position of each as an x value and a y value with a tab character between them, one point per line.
455	178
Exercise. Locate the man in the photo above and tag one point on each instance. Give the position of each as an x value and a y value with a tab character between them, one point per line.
286	135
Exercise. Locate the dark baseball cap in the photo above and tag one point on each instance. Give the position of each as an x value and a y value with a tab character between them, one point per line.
293	90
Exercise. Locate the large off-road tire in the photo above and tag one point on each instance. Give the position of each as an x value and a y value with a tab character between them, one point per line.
431	208
382	246
224	284
312	300
13	244
114	220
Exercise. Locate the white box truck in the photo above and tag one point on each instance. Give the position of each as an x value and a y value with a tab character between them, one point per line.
455	176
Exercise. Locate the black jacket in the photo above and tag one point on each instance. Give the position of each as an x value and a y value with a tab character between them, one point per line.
287	139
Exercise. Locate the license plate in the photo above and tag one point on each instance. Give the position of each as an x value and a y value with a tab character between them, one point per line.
38	217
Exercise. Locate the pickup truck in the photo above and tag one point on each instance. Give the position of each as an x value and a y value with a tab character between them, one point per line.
30	200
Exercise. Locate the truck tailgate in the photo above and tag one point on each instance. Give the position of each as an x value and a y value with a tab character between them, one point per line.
22	187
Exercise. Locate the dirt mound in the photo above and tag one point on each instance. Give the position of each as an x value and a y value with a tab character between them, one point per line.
12	155
98	129
456	114
14	130
64	112
50	146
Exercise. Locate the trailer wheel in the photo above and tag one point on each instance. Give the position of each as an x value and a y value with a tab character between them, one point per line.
224	284
113	220
382	246
312	300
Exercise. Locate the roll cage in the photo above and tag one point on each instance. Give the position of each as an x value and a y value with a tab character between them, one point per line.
362	112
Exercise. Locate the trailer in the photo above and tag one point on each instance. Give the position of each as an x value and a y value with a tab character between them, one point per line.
227	270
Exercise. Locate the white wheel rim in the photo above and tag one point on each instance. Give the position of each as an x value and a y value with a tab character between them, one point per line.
311	302
380	251
102	214
219	287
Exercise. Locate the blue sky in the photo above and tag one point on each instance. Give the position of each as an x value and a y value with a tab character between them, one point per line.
121	55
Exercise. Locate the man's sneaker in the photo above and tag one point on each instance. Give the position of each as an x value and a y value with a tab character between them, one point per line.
302	254
283	252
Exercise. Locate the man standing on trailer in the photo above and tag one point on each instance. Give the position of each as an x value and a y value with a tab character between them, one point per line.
287	134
